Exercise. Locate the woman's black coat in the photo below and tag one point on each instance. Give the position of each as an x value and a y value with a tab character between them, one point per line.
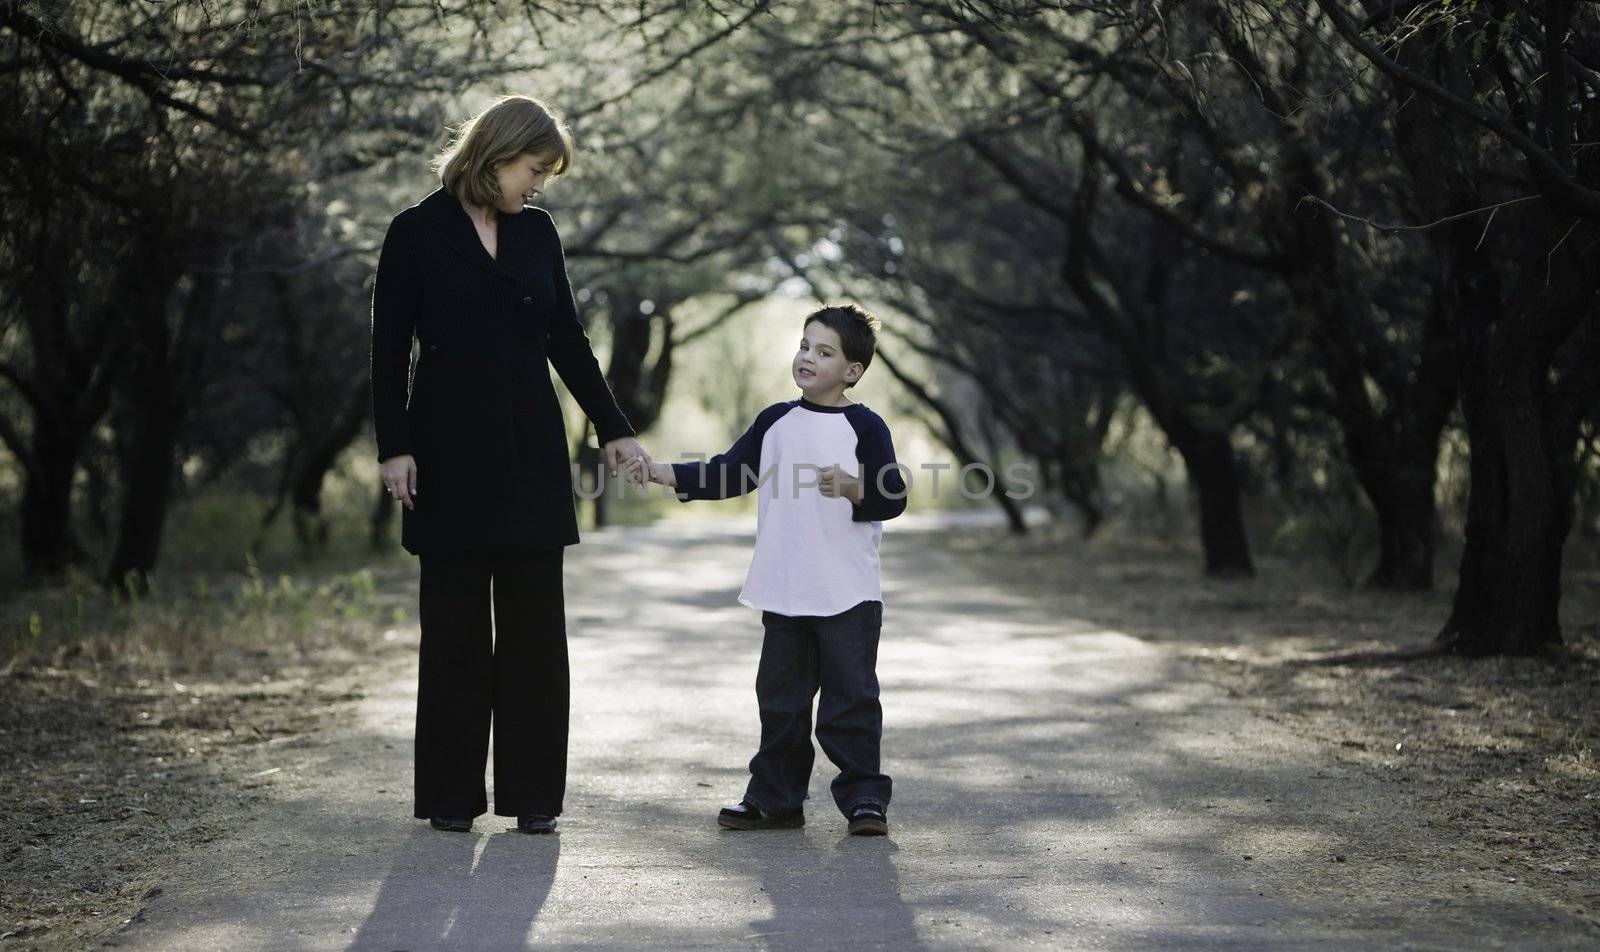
481	415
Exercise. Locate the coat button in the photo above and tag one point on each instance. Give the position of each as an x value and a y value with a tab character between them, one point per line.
528	301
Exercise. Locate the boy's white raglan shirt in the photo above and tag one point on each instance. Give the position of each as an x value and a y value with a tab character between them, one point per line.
814	555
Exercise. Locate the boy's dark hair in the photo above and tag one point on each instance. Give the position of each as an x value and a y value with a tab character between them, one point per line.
857	330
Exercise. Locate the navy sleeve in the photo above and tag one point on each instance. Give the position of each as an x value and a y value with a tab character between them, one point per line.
571	354
396	299
735	472
883	488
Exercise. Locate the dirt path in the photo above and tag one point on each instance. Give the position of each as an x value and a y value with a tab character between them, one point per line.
1058	785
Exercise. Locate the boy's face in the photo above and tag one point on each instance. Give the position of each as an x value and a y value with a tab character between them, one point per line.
820	367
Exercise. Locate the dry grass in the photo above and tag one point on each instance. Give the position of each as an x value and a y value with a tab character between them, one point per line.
129	733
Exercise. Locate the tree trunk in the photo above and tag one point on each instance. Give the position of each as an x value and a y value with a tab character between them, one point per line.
1016	524
163	365
1406	515
146	462
315	462
1393	446
1528	380
1517	290
48	545
98	494
1213	471
310	528
639	385
72	382
1519	510
1079	485
1205	447
954	438
379	536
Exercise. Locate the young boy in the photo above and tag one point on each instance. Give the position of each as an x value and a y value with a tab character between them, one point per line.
825	470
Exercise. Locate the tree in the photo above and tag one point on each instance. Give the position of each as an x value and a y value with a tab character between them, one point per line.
162	142
1493	110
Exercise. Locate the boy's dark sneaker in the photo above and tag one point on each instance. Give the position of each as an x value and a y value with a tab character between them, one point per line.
536	823
868	820
453	824
745	815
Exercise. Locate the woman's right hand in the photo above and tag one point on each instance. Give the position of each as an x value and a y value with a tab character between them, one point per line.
400	478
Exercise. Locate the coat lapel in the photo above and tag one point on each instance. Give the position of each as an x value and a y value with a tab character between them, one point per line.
461	237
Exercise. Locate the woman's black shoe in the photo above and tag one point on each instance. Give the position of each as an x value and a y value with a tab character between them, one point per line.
536	823
452	824
745	815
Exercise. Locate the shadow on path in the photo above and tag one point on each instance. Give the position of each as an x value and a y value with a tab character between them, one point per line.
849	891
1059	784
449	891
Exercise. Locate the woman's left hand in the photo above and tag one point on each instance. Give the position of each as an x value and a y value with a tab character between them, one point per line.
622	450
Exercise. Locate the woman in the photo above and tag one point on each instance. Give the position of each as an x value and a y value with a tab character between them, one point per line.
478	456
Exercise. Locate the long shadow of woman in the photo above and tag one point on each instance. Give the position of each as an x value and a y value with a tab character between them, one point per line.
447	891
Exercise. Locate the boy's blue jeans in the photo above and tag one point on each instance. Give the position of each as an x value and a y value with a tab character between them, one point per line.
837	654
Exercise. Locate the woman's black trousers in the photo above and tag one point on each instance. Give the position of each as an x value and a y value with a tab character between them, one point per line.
494	651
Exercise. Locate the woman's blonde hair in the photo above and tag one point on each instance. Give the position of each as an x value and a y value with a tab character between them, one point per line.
513	125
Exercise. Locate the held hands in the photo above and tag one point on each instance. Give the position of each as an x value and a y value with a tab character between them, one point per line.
620	453
835	482
643	471
838	484
400	478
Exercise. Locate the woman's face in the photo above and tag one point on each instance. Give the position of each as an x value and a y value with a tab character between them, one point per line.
521	181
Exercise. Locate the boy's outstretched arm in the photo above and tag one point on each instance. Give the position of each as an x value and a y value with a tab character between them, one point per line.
728	474
883	488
